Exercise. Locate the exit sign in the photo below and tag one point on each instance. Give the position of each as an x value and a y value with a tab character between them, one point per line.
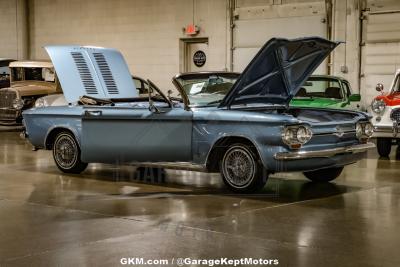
192	29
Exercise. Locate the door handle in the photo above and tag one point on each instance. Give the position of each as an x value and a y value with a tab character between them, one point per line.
93	113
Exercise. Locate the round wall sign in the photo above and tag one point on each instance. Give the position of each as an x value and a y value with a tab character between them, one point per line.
199	58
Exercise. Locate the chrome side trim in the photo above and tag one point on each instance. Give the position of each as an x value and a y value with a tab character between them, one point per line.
323	153
172	165
335	133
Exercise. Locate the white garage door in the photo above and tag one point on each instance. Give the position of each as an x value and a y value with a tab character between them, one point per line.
256	25
381	51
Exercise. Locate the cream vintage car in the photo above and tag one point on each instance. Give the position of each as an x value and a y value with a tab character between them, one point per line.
29	81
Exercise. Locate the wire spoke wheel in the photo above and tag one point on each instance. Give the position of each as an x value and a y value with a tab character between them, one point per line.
239	167
65	151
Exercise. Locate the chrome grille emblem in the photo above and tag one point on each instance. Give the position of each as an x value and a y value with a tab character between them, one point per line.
339	132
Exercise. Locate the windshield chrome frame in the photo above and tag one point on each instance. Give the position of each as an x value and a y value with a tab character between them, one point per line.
182	91
396	80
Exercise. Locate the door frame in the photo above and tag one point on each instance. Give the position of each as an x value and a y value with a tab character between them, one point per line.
362	88
184	48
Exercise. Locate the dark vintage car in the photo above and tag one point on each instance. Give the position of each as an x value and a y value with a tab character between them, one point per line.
29	80
5	72
244	129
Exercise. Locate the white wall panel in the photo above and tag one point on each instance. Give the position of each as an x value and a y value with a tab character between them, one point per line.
8	29
146	31
381	52
257	24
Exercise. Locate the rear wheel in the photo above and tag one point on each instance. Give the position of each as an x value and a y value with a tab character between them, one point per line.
324	175
242	170
384	146
67	154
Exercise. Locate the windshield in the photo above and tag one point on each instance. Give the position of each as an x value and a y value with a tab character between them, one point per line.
396	84
141	86
205	89
4	74
33	74
320	87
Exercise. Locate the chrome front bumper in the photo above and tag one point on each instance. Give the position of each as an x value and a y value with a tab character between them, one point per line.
9	116
383	129
394	130
323	153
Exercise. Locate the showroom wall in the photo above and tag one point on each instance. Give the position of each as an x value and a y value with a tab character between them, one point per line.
147	32
380	50
258	21
13	29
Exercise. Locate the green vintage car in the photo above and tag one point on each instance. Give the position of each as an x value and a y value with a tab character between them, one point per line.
326	91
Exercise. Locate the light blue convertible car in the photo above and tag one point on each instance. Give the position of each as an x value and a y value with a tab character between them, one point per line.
242	128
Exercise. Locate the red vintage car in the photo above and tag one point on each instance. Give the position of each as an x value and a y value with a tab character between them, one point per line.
386	121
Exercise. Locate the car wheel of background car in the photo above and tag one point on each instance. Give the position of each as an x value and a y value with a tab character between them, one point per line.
67	154
384	146
324	175
242	170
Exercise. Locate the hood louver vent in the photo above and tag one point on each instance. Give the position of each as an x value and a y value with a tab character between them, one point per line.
106	73
92	71
84	73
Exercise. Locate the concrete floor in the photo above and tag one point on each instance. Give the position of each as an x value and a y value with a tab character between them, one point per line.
51	219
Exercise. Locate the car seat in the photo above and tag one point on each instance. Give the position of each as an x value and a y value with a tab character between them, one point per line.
302	92
333	92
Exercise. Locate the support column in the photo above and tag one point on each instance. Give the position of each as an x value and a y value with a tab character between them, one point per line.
346	27
22	29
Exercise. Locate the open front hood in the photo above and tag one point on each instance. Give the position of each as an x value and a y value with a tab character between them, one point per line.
278	70
92	71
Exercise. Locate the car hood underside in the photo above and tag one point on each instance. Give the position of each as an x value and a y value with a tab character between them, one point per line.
278	70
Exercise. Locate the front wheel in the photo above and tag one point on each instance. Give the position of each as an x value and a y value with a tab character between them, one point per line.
241	169
324	175
384	146
67	154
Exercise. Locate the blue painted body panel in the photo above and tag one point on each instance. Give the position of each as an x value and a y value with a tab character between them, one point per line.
125	134
130	132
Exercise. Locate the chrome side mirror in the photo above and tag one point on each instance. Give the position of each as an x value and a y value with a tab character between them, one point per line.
379	87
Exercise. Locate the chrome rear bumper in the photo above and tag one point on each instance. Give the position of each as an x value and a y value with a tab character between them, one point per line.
323	153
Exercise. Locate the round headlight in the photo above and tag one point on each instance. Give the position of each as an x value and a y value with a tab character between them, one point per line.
378	106
288	136
18	103
359	130
303	134
40	103
368	129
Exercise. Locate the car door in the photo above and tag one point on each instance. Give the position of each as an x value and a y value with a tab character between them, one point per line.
136	134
